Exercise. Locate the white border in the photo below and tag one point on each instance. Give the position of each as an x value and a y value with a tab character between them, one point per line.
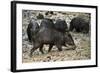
21	65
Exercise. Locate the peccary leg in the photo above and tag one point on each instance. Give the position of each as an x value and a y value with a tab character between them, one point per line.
31	51
78	30
50	47
34	48
72	46
41	49
59	47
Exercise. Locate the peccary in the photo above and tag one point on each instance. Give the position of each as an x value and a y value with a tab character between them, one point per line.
47	23
61	25
40	16
52	37
49	12
79	24
32	29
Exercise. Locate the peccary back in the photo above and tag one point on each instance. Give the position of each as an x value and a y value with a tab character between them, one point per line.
52	37
47	23
79	24
61	25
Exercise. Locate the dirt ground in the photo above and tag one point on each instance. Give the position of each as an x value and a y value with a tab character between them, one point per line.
82	41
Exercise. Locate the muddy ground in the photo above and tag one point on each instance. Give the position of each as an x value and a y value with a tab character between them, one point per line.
82	41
